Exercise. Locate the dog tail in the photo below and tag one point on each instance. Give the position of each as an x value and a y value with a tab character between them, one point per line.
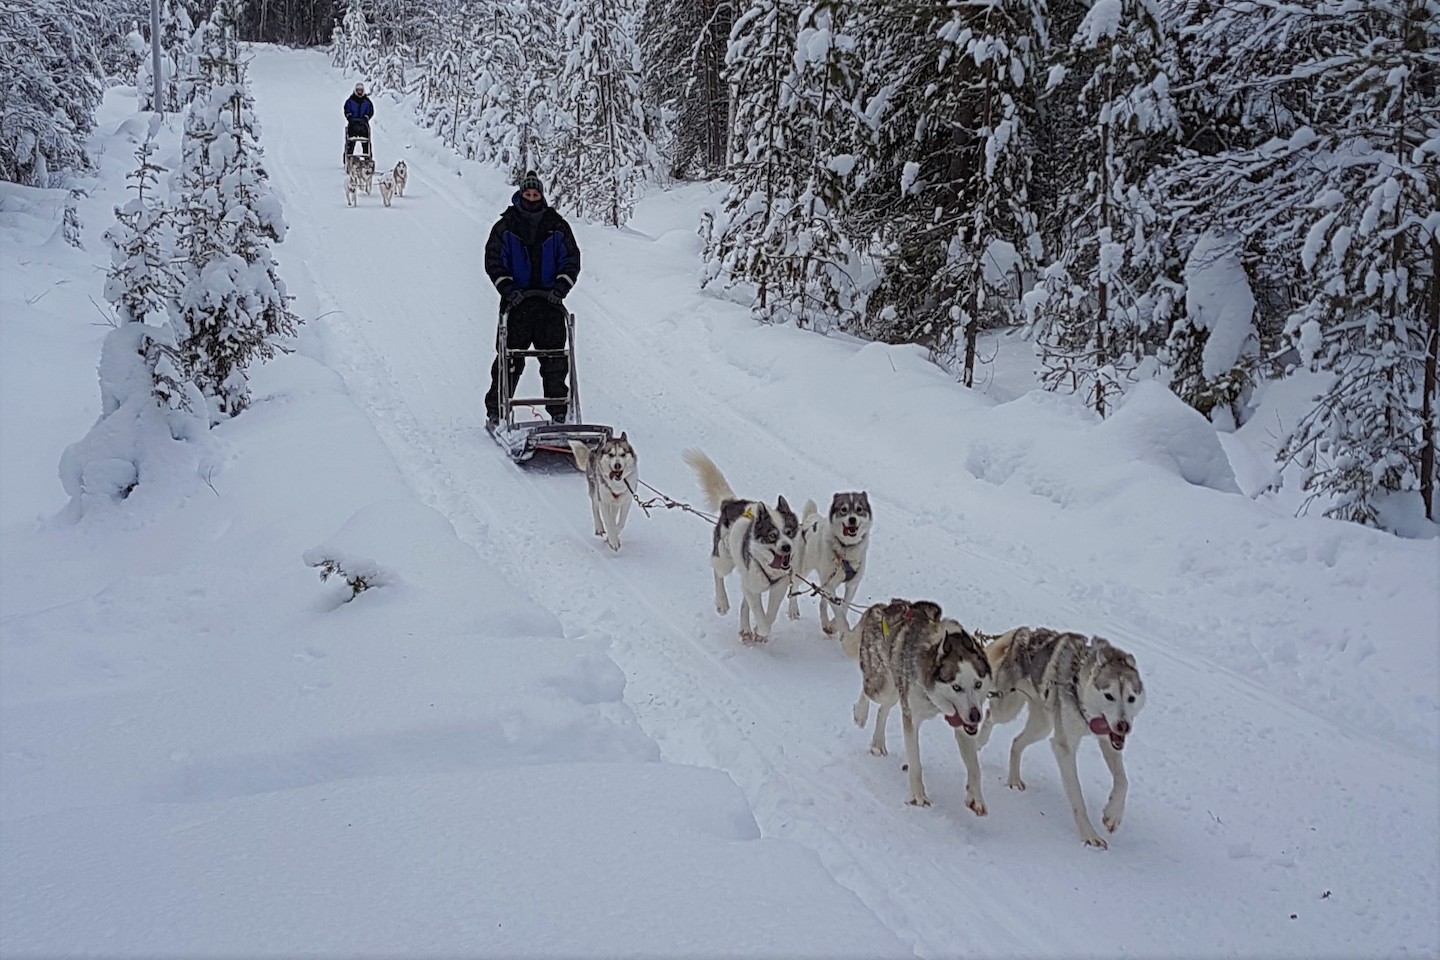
850	641
811	510
582	454
712	481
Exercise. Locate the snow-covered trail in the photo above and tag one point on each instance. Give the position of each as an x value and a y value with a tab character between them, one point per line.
406	316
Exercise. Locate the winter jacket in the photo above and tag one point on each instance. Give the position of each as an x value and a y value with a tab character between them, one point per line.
359	108
544	257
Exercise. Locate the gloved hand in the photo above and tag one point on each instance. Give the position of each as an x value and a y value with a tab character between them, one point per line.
555	297
562	286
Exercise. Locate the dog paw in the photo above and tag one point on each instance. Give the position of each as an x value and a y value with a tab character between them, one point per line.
830	629
722	607
920	801
1015	783
793	613
977	805
1094	840
614	544
1112	820
878	750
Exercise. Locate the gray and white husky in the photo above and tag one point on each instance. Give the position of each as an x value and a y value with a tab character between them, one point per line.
757	539
1073	687
610	474
911	656
833	548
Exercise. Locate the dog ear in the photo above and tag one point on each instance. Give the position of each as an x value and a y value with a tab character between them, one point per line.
782	506
623	438
1129	659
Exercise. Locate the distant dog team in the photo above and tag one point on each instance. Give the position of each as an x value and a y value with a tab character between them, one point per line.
360	176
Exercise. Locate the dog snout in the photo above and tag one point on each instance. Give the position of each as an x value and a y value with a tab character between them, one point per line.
1122	727
784	548
975	716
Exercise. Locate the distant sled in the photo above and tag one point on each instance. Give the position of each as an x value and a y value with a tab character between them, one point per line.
521	441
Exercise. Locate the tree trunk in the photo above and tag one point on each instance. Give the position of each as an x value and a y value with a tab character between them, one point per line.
1427	408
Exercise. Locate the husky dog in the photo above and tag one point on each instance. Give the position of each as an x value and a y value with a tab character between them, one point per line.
400	174
387	187
362	171
352	184
610	474
834	549
909	655
1072	686
754	537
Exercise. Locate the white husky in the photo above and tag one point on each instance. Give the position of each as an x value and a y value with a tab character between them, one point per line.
757	539
610	475
1072	686
910	656
833	548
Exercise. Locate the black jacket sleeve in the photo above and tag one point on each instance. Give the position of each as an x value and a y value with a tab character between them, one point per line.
495	256
569	269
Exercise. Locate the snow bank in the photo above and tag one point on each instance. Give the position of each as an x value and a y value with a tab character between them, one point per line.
1159	428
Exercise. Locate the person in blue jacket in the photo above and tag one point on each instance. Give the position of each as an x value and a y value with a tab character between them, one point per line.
533	260
358	111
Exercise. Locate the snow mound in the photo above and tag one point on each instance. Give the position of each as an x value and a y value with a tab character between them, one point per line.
1158	428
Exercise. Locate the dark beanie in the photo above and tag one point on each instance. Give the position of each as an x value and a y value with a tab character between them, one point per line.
532	182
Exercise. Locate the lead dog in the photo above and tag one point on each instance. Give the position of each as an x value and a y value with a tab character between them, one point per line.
833	548
352	184
1072	687
756	539
910	656
387	187
610	475
400	174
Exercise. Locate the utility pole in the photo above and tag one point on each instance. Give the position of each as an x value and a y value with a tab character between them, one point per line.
155	53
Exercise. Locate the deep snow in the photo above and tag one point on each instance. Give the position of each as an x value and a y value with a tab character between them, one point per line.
522	744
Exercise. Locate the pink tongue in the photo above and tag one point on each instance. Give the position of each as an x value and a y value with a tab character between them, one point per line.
953	719
780	562
1099	726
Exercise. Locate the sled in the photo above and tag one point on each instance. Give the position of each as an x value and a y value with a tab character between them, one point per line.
351	156
522	441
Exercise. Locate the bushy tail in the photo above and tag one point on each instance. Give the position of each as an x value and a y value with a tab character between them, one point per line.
811	510
582	454
850	640
712	481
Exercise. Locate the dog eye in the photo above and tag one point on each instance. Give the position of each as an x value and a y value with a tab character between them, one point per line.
978	684
1109	696
956	686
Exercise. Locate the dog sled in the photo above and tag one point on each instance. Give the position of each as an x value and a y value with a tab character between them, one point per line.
352	145
522	440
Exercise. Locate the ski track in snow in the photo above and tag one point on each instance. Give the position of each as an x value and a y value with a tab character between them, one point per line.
407	318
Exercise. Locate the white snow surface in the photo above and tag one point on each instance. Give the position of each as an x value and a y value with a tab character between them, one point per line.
520	744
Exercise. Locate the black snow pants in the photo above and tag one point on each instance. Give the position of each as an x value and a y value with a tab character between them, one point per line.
540	325
356	129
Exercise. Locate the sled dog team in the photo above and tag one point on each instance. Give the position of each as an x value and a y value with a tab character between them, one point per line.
910	653
360	176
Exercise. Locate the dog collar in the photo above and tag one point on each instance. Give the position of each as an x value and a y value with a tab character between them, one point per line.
846	565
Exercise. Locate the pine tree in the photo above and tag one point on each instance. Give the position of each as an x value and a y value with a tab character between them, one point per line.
49	89
682	47
602	156
233	308
513	51
1372	249
963	233
1091	308
143	284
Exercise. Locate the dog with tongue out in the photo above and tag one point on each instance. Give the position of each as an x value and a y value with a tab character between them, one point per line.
929	665
1072	686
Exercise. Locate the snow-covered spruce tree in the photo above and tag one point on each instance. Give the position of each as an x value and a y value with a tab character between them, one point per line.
49	89
777	230
339	50
445	92
361	60
143	284
513	63
1372	249
233	309
963	233
682	47
819	95
176	31
744	239
1095	300
601	154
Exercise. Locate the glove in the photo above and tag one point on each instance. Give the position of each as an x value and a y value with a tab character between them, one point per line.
512	297
555	297
562	287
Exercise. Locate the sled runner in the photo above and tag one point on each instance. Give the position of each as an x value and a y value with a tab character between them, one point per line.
521	441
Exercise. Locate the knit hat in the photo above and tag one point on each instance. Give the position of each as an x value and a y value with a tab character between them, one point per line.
532	182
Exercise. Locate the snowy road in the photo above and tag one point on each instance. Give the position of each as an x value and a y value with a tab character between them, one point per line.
1247	803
